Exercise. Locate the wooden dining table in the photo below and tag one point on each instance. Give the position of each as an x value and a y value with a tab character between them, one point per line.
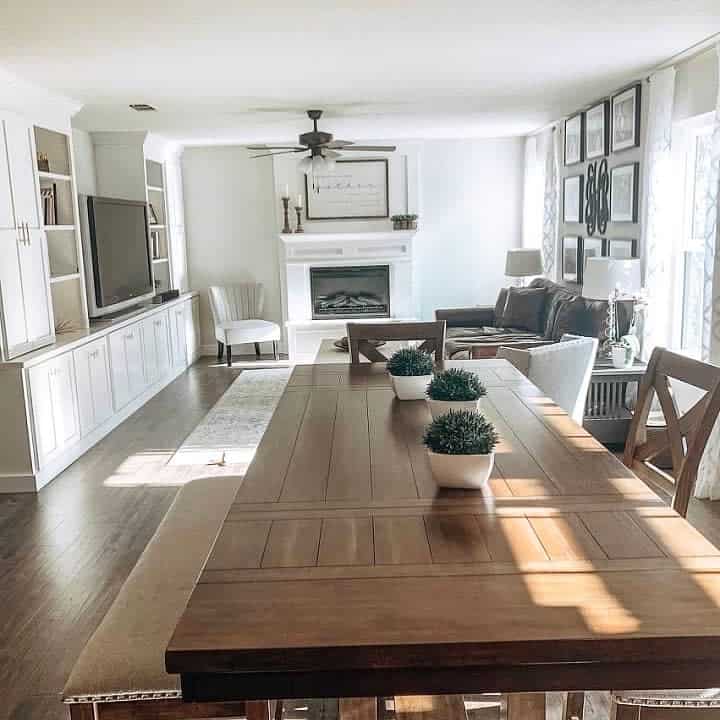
342	570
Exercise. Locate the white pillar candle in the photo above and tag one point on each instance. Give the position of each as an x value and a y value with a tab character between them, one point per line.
299	201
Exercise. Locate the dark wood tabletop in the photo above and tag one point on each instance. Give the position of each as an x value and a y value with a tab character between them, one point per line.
342	570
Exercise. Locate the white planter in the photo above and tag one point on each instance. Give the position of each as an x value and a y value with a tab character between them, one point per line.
410	387
461	471
442	407
622	357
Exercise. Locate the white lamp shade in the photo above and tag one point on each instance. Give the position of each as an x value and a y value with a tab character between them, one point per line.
523	262
305	165
604	275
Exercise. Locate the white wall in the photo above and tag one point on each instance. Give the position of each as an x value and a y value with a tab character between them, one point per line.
470	214
230	225
696	84
84	155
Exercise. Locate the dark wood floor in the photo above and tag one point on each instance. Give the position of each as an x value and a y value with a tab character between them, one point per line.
65	552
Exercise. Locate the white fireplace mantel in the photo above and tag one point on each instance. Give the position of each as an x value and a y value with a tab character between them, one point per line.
301	251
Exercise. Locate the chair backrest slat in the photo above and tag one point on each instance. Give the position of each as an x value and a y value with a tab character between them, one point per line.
432	335
684	435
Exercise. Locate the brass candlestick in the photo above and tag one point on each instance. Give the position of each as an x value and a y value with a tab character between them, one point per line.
286	207
298	211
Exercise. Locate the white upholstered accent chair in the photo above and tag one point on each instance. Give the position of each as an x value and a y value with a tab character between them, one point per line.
561	370
237	311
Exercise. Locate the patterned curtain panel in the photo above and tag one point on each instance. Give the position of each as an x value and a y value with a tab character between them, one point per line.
657	207
551	206
708	481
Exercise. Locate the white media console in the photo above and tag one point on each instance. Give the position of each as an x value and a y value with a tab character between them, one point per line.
57	402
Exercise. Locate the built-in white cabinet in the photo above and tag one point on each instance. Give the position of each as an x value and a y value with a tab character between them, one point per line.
18	138
126	364
95	401
192	329
178	336
54	406
156	347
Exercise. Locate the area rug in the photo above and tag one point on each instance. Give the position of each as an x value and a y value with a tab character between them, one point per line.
231	431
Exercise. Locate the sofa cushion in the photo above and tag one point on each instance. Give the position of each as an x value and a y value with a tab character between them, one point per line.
474	343
554	300
500	304
581	316
524	309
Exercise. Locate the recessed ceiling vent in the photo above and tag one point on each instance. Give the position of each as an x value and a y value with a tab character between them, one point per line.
143	107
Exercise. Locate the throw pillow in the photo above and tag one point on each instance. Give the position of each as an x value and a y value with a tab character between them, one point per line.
580	316
553	303
524	308
500	306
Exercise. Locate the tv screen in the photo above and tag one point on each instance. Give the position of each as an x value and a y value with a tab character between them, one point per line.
122	267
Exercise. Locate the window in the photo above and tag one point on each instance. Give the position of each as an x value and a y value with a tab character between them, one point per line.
693	144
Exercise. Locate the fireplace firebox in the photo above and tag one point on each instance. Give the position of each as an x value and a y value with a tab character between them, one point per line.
350	292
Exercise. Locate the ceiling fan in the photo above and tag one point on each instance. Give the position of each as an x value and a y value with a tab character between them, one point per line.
324	150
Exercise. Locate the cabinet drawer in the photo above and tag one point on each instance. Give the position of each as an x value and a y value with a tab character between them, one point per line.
95	401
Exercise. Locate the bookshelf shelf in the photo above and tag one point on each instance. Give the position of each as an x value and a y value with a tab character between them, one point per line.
58	228
160	260
44	175
64	278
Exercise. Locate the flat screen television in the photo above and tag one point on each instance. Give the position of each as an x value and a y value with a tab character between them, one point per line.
118	263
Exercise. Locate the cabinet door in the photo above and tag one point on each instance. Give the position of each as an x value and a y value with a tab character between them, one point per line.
11	293
162	343
7	212
192	313
126	365
178	340
150	357
55	410
36	286
18	138
93	385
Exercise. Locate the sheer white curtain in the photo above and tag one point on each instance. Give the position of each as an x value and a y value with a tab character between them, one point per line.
708	481
657	206
540	196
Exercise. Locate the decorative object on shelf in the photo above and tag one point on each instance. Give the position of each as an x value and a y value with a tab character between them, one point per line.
155	242
298	212
523	262
356	190
43	164
404	222
622	248
48	196
626	119
571	245
286	214
611	279
152	215
454	389
591	248
573	199
574	133
624	193
597	188
342	343
461	449
597	130
410	371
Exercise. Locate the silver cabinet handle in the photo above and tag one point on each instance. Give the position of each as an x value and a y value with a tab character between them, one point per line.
27	233
129	336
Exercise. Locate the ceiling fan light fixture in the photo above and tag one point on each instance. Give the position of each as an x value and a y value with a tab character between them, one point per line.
318	164
305	165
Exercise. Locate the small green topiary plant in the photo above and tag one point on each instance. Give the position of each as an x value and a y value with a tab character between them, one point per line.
410	362
461	433
456	385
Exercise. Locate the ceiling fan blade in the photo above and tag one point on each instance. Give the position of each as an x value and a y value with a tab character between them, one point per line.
370	148
274	147
282	152
335	144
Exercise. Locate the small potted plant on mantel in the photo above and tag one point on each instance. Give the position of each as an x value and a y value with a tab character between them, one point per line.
454	389
461	449
410	372
404	222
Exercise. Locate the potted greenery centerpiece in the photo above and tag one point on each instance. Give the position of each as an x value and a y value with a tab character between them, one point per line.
398	222
410	372
454	389
411	222
461	447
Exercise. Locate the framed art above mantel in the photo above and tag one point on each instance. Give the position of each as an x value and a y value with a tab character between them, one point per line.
355	190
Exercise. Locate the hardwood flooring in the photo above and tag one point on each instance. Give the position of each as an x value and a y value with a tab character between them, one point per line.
65	552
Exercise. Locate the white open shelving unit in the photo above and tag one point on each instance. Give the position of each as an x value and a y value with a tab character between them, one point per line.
159	239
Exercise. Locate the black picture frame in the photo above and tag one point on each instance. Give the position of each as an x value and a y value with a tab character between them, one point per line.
623	246
633	170
633	93
574	159
603	110
568	217
570	259
354	217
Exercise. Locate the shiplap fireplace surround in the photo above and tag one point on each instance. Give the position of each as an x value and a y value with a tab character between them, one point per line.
302	251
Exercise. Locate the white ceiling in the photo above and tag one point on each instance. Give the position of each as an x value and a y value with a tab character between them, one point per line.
243	70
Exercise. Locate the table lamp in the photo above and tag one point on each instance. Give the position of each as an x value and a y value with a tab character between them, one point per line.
523	262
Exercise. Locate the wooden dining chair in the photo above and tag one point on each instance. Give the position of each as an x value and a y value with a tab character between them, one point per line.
432	335
683	436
